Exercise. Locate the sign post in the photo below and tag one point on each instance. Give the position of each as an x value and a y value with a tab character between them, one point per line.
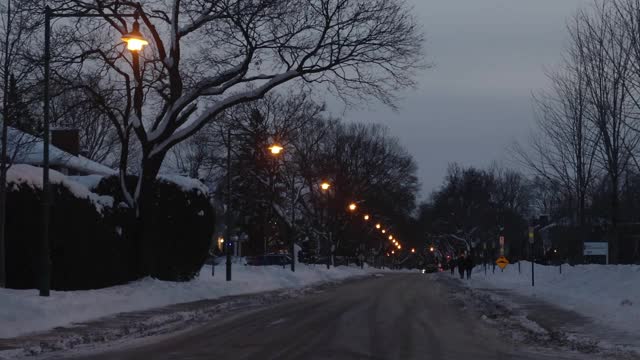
484	257
597	249
502	262
531	240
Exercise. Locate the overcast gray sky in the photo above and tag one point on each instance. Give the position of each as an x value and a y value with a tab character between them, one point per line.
489	56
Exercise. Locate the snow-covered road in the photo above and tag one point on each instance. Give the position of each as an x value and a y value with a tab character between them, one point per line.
23	311
395	316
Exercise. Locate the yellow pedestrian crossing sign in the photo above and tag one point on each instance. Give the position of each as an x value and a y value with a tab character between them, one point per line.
502	262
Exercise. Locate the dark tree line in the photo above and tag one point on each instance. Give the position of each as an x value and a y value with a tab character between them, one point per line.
363	164
585	153
205	60
473	208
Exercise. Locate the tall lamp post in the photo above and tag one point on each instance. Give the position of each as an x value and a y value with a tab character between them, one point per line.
276	150
325	186
135	43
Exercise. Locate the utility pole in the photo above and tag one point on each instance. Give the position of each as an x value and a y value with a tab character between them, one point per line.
3	157
45	261
227	235
293	220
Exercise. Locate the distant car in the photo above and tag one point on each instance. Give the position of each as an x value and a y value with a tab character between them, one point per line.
430	268
269	259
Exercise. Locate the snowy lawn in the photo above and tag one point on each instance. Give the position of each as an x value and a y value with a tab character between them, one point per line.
23	311
609	294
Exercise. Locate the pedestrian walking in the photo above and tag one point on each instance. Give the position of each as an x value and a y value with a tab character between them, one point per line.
468	265
452	266
461	262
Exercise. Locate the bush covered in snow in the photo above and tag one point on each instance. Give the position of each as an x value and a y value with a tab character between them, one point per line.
93	237
87	249
183	225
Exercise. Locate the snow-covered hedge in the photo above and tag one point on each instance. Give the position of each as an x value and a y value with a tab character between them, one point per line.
183	224
92	232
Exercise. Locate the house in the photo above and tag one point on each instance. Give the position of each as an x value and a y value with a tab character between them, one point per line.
64	152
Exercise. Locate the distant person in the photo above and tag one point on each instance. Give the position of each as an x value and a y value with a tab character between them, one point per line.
468	265
452	266
461	268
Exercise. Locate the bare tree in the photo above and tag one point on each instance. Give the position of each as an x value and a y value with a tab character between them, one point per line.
207	57
604	49
564	150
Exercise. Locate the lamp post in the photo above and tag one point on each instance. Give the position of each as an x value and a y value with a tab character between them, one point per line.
325	186
276	150
227	228
135	43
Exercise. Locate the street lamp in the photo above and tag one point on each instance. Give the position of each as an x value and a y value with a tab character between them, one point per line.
275	149
384	231
353	207
366	218
135	42
378	226
390	237
325	186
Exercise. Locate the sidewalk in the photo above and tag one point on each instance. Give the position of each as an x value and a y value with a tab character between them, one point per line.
538	322
553	318
139	324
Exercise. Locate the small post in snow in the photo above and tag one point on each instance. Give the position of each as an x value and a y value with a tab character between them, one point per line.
533	278
531	240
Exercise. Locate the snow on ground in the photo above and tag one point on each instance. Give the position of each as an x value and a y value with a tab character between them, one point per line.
23	311
609	294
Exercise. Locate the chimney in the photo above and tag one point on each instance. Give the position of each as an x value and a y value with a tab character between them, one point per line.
67	140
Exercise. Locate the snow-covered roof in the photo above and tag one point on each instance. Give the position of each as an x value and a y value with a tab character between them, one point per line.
28	149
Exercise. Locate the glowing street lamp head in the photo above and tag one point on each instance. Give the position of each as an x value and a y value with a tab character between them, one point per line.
399	247
431	249
393	251
413	251
325	186
390	237
275	149
135	40
378	226
384	231
366	217
353	207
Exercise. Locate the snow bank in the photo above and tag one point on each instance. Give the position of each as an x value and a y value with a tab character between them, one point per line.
21	174
609	294
23	311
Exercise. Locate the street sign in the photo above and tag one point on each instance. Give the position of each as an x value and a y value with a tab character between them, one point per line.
502	262
531	235
596	248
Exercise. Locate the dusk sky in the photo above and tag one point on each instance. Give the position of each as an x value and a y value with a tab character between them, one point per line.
489	56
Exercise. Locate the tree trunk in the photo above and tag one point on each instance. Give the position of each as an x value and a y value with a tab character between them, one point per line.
145	195
613	232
